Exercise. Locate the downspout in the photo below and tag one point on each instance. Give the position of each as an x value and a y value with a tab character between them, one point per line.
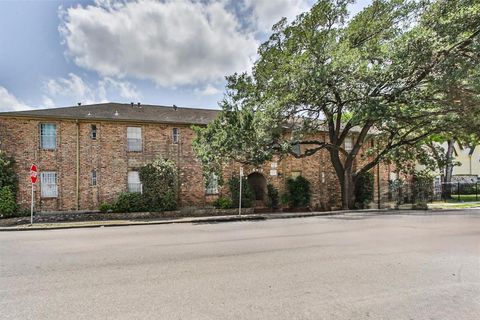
77	191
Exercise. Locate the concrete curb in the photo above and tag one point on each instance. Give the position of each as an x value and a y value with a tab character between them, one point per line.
213	219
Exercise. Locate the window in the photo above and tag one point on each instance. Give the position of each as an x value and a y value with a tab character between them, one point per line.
296	174
134	184
48	136
134	138
348	144
48	184
93	132
212	184
296	149
94	178
175	135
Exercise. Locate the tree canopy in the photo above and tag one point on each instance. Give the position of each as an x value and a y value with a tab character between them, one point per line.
400	70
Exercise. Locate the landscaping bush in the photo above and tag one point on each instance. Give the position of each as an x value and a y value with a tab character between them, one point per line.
298	192
8	205
422	189
247	193
223	203
105	207
273	197
130	202
160	185
7	174
364	189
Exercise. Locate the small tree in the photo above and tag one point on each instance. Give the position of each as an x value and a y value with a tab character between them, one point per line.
8	176
8	206
8	186
298	192
160	185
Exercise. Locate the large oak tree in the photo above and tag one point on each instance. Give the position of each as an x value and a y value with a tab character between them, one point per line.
399	70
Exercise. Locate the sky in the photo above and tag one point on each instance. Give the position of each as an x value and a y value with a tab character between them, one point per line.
164	52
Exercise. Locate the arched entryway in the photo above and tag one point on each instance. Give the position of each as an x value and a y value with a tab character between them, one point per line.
259	186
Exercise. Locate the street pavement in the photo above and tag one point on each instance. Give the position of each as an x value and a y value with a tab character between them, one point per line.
366	266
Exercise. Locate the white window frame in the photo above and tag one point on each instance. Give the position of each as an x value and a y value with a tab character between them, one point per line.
133	182
175	135
212	184
348	143
94	178
134	139
49	184
93	132
296	149
44	137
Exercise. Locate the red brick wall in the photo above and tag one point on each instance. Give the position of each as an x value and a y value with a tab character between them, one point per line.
108	155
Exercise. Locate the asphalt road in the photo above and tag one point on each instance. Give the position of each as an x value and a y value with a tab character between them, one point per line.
363	267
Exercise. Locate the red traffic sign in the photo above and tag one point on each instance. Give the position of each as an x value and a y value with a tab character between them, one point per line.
33	173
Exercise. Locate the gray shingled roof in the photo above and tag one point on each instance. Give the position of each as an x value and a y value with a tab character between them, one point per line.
123	112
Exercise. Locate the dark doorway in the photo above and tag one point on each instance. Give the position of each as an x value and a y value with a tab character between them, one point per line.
259	185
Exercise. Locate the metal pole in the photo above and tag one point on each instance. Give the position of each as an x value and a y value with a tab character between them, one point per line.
240	193
476	191
31	208
458	191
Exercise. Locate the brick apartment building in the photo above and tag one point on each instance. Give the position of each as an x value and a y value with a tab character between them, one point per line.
89	154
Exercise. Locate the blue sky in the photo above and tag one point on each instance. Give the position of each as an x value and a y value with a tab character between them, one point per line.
58	53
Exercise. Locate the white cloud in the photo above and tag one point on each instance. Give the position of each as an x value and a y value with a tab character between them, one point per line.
172	42
75	89
8	102
268	12
209	90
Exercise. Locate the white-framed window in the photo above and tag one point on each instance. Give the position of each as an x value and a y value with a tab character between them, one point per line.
48	184
348	144
134	139
134	183
48	136
212	184
93	180
175	135
296	149
295	174
93	132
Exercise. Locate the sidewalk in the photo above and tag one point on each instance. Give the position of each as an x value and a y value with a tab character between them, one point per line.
217	219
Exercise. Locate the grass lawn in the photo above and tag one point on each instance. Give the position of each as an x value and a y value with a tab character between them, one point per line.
464	198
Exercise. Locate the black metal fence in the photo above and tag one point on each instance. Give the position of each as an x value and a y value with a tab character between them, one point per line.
401	192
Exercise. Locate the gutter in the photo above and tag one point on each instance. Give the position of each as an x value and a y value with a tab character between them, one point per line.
77	191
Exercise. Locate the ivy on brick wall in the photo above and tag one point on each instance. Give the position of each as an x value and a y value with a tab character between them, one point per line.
160	185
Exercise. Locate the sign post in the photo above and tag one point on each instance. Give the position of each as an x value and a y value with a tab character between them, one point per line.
240	193
33	178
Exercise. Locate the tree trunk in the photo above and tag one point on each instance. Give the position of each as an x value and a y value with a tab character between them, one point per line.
348	190
447	177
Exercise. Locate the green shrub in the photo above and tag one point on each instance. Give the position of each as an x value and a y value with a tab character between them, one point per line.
298	192
247	193
169	201
422	188
364	189
129	202
8	176
160	185
273	197
223	203
8	205
105	207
